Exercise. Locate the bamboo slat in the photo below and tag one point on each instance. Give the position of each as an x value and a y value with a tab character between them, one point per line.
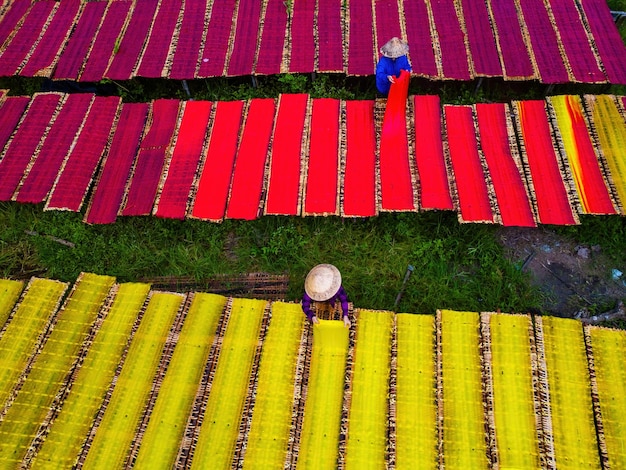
123	411
218	434
416	409
48	376
464	443
324	396
162	437
69	430
271	421
367	432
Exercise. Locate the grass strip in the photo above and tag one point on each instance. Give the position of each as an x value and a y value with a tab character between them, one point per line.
575	443
271	420
367	437
70	428
463	414
220	426
609	353
514	409
123	413
416	410
47	377
324	396
22	333
9	293
160	443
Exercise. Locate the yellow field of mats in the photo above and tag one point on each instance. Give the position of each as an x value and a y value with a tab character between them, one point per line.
107	375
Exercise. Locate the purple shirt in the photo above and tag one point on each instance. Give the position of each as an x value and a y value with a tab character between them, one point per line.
341	295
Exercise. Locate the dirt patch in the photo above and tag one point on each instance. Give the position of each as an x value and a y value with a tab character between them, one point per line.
576	280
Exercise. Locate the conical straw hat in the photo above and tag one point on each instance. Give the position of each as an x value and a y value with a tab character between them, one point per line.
394	48
322	282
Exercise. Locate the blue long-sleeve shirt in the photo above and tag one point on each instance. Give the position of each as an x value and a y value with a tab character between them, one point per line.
341	296
387	66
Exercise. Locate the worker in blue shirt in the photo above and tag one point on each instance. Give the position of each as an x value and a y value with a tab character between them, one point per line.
393	61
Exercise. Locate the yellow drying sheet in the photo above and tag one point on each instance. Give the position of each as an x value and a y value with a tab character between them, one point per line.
463	415
116	432
367	425
609	354
69	430
220	424
9	293
51	366
575	443
611	130
416	411
322	411
271	420
161	441
39	302
513	399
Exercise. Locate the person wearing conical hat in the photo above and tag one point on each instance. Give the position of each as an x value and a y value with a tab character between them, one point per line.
323	284
392	62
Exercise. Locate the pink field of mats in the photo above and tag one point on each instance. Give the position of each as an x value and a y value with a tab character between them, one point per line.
518	164
551	41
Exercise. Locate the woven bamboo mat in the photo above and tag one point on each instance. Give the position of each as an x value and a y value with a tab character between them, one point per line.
218	38
481	43
11	19
191	37
303	43
455	63
330	36
361	56
11	110
272	39
418	35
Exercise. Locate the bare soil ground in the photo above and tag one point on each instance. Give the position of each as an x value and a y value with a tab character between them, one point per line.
576	280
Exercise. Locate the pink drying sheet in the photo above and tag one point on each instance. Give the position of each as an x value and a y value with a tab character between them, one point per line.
12	17
77	171
217	39
482	43
453	53
246	32
270	53
187	54
421	51
302	59
11	110
330	36
361	47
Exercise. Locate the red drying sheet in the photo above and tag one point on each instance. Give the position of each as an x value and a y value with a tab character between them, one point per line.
78	169
189	41
576	45
39	181
429	157
151	158
11	110
583	161
158	45
109	190
104	43
212	194
245	191
11	18
553	206
506	175
125	58
25	38
323	167
482	43
387	20
330	35
244	49
283	192
71	62
359	183
270	54
468	171
514	53
361	46
544	42
217	39
452	46
302	38
23	147
395	171
418	35
54	38
174	196
607	38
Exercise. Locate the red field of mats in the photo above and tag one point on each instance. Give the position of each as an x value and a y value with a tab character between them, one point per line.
518	164
551	41
103	374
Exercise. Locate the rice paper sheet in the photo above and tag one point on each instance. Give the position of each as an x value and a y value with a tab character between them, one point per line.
273	32
302	37
191	36
330	39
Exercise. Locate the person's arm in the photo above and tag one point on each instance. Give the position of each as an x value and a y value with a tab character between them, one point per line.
306	308
342	296
403	63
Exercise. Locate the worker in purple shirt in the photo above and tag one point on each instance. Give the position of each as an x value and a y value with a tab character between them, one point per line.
323	284
392	62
